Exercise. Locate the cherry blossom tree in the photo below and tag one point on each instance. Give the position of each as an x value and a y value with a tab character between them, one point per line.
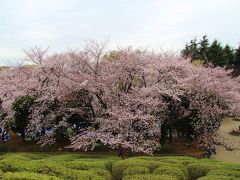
128	96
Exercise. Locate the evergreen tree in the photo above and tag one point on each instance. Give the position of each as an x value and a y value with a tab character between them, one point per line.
193	47
236	61
186	52
228	56
203	49
215	54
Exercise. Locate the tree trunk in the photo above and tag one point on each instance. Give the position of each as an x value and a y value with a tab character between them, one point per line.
23	136
163	134
170	134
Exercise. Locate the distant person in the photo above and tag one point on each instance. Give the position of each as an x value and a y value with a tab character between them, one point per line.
214	149
130	153
208	153
120	152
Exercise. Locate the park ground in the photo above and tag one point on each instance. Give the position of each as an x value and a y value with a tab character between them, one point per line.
228	125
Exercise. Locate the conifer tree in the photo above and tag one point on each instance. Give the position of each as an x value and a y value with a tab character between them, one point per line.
186	52
216	54
228	55
194	49
203	49
236	61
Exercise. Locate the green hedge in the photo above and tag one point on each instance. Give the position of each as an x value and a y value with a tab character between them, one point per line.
170	159
46	167
232	166
135	171
149	177
102	173
52	168
34	156
223	172
27	176
13	164
173	171
86	175
85	165
14	156
97	167
217	178
196	170
119	166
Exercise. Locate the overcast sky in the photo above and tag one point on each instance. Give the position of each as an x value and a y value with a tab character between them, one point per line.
155	24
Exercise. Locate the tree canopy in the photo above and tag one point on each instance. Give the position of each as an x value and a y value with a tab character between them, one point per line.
122	100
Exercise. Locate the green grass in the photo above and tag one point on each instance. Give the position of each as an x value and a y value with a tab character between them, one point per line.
73	166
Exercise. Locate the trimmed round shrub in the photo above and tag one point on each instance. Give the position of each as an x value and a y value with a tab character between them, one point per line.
196	170
216	178
149	177
180	167
102	172
15	156
176	161
46	167
169	159
84	165
223	172
27	176
34	156
85	175
119	166
233	167
109	163
173	171
13	164
135	171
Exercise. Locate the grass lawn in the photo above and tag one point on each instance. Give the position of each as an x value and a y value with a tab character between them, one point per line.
34	166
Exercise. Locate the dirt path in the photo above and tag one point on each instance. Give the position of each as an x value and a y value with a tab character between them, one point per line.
222	154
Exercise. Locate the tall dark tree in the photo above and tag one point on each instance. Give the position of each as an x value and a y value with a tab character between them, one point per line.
215	54
194	49
236	62
22	108
203	49
186	52
191	50
228	55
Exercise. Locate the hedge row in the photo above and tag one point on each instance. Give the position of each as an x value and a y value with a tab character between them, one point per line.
136	166
81	170
84	167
